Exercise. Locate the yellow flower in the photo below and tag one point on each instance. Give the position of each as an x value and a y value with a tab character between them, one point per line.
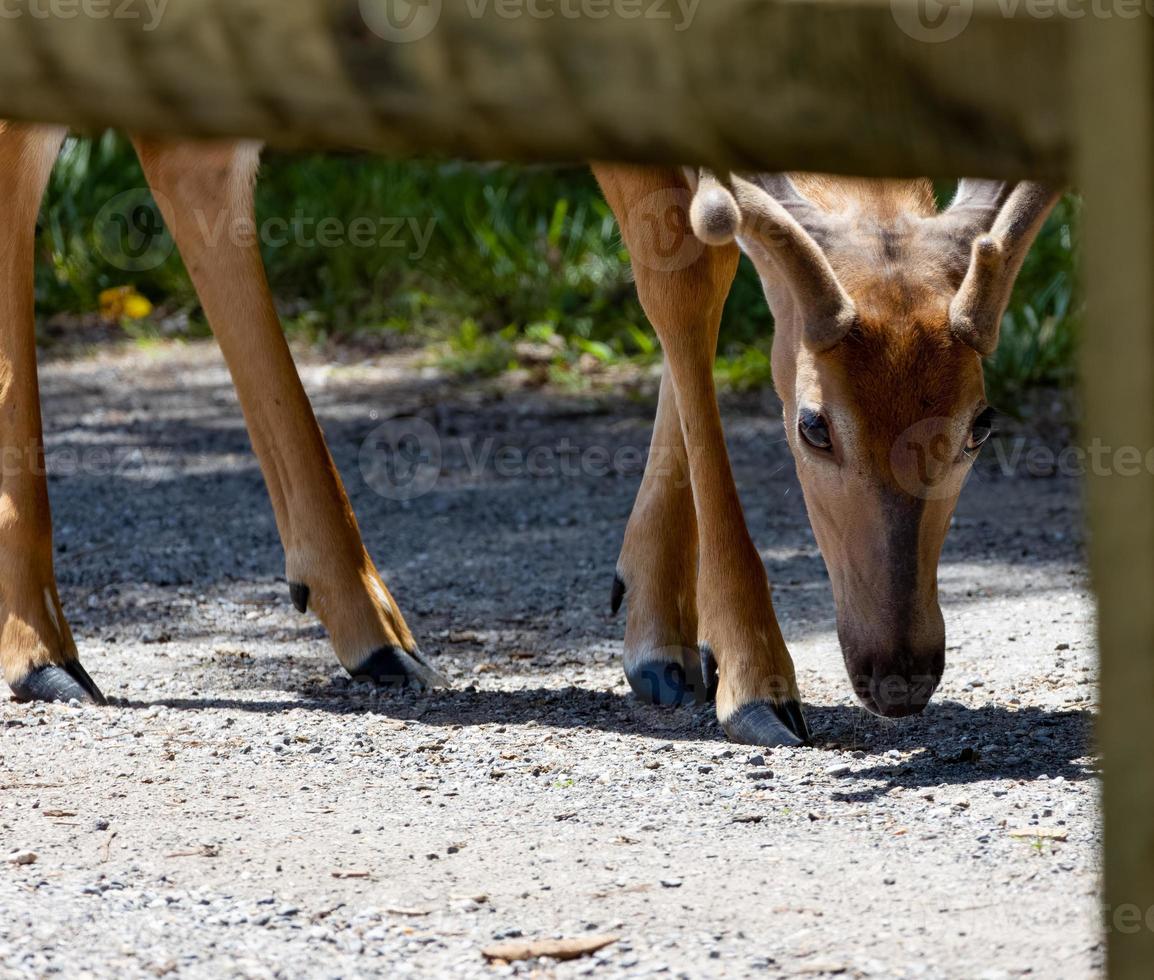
123	301
137	307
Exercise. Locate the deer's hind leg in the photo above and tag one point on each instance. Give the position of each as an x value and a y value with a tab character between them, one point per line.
205	192
36	646
683	285
657	571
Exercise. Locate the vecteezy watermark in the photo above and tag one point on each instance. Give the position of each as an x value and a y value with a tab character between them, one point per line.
130	233
403	459
1128	919
1015	456
932	21
924	460
143	465
148	12
935	21
406	457
658	232
405	21
401	21
306	231
679	13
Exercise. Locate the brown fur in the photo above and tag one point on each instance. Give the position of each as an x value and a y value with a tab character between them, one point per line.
900	393
884	200
899	373
882	309
683	300
33	630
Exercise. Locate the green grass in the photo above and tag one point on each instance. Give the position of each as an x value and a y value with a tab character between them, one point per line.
483	260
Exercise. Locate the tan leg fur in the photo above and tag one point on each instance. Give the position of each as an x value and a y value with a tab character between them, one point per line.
683	285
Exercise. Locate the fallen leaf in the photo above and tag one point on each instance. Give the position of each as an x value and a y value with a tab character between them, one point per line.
558	949
205	850
824	968
627	890
325	913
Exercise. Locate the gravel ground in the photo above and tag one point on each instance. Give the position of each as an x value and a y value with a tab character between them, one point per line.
242	810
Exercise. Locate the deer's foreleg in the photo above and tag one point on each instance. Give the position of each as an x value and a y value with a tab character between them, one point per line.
205	192
36	646
682	285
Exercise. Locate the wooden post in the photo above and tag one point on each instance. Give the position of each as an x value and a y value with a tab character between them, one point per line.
1114	86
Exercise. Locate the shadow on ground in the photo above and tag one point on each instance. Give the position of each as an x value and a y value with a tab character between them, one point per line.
948	745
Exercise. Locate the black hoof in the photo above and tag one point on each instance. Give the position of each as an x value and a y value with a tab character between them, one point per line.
53	683
766	724
393	667
669	682
792	711
299	593
617	595
708	671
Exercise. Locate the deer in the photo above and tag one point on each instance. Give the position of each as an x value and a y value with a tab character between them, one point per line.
884	309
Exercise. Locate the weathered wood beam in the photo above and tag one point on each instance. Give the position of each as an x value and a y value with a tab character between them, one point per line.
1114	81
841	85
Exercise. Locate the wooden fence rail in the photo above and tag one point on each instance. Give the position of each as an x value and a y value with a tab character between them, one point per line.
850	85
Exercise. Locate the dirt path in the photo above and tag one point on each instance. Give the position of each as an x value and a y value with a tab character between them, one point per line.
243	811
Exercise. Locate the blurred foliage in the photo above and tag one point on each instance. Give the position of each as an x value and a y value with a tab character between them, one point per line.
485	260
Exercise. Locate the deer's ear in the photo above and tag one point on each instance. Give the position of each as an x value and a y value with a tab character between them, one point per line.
713	213
995	261
979	201
783	249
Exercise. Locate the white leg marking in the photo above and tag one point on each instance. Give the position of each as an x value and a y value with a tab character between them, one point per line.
50	605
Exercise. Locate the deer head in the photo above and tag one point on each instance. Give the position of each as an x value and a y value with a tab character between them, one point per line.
884	309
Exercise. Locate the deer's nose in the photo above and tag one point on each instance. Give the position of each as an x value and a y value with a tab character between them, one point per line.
896	683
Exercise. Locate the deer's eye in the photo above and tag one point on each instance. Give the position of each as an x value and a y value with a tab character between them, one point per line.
814	429
980	430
